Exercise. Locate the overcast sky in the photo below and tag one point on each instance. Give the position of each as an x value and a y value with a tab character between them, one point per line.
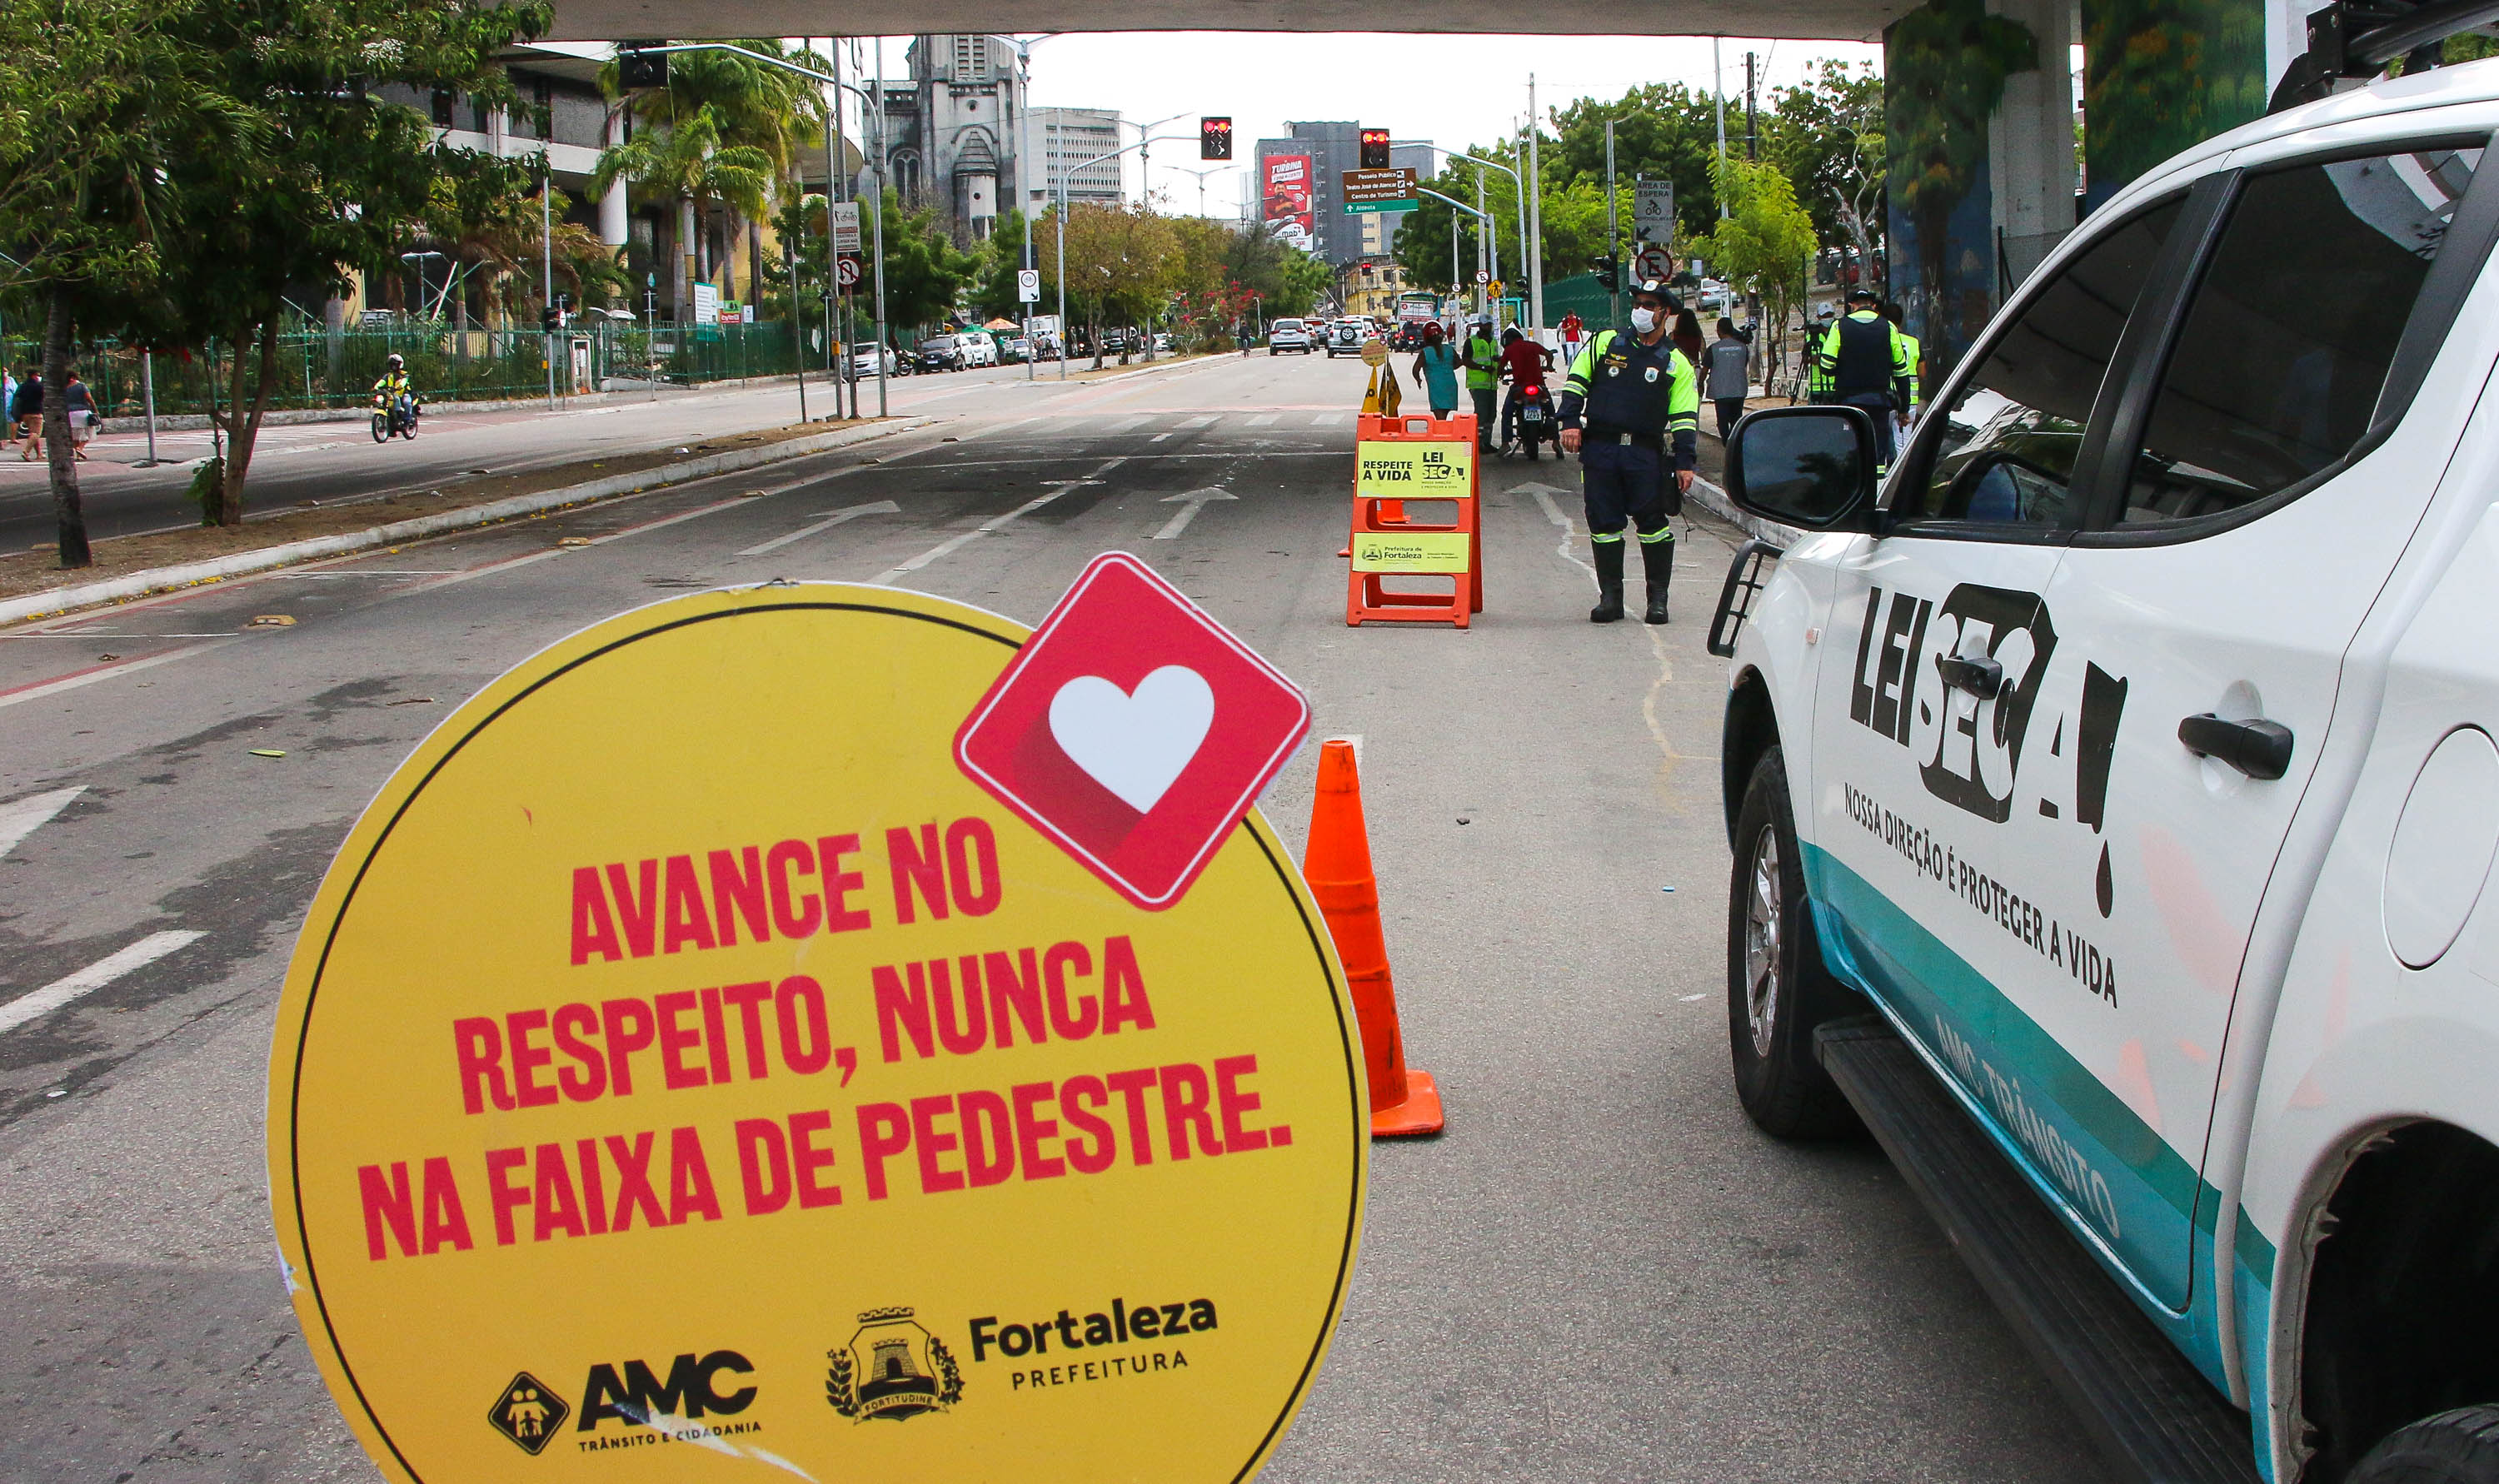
1453	90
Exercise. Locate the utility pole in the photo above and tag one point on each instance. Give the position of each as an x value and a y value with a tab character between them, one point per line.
839	341
1487	252
1535	221
1718	92
1614	233
876	214
1752	128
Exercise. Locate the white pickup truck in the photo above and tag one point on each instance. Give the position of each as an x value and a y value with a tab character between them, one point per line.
2114	798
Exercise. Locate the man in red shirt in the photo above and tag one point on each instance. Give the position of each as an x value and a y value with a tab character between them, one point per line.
1525	364
1572	333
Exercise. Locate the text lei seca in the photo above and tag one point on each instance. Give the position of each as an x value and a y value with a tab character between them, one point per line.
591	1048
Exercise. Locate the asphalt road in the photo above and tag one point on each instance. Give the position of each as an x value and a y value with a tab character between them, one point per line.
296	462
1601	1273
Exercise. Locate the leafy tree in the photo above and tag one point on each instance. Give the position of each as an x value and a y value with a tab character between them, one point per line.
1662	130
318	179
1000	258
1827	136
2162	75
488	220
924	272
91	100
690	162
1763	241
1120	265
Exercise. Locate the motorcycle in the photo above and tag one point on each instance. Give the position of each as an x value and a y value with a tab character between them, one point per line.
394	416
1536	419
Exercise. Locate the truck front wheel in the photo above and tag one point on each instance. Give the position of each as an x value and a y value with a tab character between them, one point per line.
2457	1448
1778	990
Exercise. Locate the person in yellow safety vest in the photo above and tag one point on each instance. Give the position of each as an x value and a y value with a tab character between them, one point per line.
1483	376
1900	318
1863	362
1641	404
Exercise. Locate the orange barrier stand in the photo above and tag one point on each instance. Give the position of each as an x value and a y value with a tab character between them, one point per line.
1336	861
1412	457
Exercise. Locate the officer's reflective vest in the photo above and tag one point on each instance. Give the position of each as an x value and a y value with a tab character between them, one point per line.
1483	359
1865	354
1651	401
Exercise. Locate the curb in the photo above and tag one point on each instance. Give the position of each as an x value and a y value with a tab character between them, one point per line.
162	579
290	418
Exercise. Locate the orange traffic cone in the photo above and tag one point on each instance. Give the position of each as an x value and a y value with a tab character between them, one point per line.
1337	864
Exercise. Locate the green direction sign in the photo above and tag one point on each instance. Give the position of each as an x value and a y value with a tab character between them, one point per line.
1356	207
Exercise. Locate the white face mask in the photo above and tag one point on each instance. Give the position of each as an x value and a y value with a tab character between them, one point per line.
1643	321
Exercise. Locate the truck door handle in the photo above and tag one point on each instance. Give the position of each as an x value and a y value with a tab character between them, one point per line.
1978	674
2256	747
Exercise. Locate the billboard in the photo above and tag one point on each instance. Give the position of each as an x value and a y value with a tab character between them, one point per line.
1288	183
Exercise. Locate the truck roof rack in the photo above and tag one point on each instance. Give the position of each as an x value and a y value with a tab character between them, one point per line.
2355	39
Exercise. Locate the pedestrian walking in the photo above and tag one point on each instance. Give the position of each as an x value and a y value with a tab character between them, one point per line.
1687	337
26	414
1523	364
79	402
1574	332
1435	370
1727	367
1642	406
1482	358
1861	362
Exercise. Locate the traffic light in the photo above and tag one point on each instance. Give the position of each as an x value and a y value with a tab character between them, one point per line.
1375	150
1609	269
550	319
1215	139
638	66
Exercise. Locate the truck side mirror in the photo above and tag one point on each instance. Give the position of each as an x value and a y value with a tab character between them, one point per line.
1810	466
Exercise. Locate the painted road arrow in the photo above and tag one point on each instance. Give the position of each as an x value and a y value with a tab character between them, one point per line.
879	507
1191	503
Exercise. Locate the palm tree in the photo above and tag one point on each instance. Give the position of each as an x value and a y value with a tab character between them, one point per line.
690	162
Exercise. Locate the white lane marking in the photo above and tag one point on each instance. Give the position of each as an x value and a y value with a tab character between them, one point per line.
43	689
1191	503
94	977
949	547
1327	420
1656	636
880	507
1008	427
1158	437
595	413
24	817
1129	425
1199	421
1265	419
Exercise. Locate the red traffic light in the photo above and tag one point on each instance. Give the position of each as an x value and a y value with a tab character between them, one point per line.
1375	150
1215	139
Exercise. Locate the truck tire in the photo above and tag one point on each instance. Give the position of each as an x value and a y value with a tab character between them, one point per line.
1777	988
2457	1448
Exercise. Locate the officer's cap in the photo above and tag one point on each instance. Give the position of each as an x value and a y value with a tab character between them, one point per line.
1863	295
1656	288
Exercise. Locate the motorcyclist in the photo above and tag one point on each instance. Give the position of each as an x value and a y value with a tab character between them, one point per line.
392	393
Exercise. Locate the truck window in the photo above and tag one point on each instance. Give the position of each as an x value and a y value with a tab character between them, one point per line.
2005	454
2286	344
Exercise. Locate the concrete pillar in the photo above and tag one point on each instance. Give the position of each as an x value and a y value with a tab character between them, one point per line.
2031	138
614	218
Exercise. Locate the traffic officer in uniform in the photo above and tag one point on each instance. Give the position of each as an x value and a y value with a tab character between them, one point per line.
1899	315
1642	406
1863	362
1483	360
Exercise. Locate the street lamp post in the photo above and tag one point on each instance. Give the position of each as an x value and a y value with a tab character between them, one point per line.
1024	182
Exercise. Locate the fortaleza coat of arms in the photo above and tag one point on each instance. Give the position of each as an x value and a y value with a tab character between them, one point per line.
892	1368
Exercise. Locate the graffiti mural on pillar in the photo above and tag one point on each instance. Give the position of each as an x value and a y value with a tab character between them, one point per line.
1944	66
2162	75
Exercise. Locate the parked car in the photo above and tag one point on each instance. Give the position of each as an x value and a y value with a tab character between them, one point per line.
979	349
941	353
1287	334
1346	337
1013	349
2114	801
868	360
1163	344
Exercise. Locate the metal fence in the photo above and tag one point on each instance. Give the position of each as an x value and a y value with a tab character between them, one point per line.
316	368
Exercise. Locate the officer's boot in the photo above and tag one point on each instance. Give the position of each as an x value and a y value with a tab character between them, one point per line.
1609	581
1657	561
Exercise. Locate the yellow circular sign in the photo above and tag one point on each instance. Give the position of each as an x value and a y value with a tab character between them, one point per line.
686	1067
1373	353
